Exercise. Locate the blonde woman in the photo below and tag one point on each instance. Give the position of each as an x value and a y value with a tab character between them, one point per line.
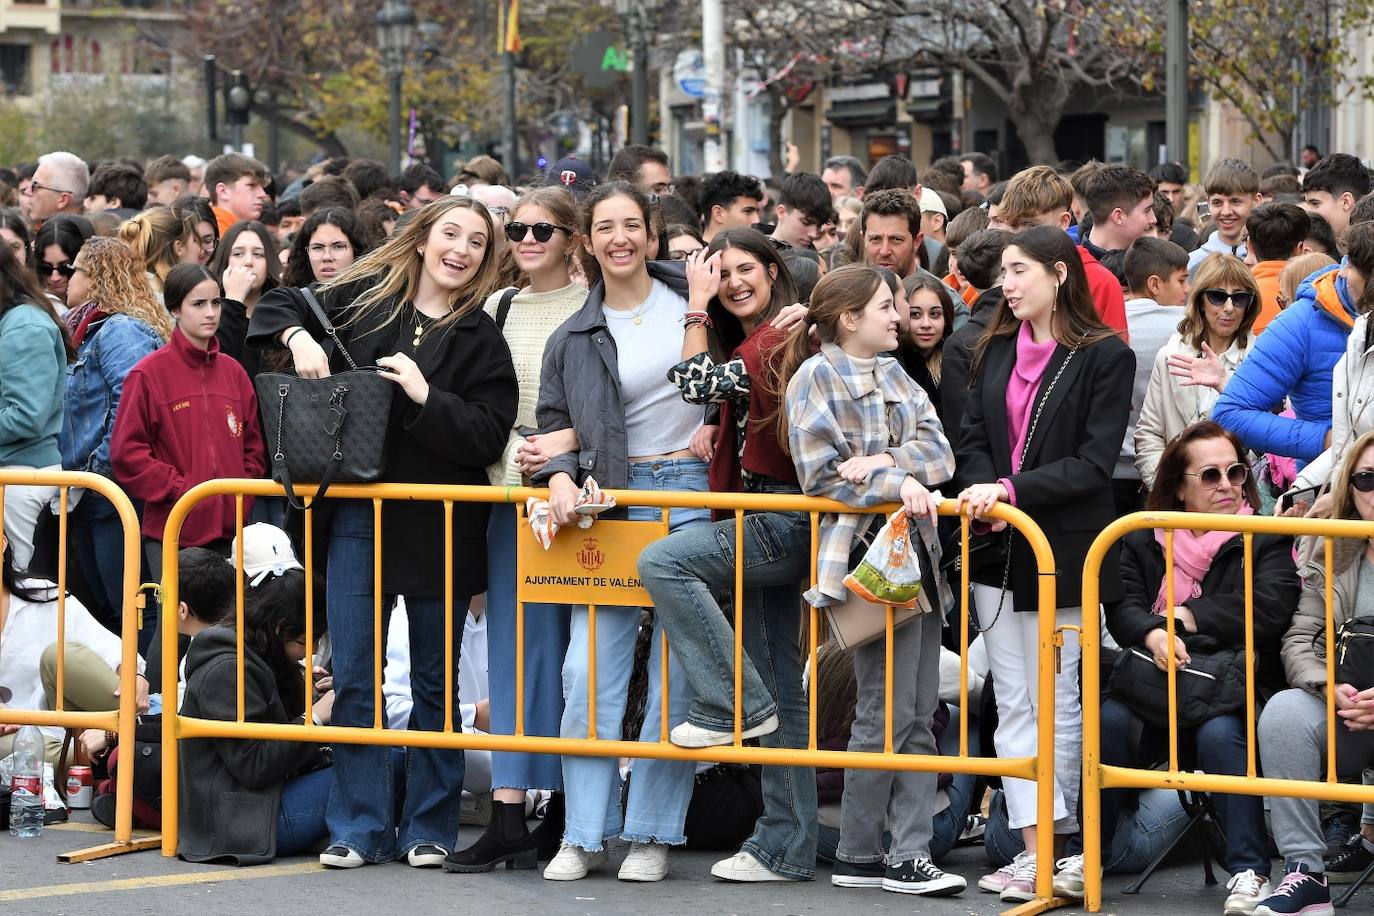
162	238
114	323
1192	369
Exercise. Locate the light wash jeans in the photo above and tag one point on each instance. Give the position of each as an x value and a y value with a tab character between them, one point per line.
681	572
661	789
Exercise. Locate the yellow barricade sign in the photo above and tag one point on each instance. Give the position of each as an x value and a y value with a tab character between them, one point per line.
596	565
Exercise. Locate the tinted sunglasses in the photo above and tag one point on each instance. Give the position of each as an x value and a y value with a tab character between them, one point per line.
1362	481
65	269
1218	298
1237	474
542	231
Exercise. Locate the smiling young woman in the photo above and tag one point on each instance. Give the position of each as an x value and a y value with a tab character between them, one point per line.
412	307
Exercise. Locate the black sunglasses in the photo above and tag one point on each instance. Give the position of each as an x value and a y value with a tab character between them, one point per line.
1362	481
1237	474
542	231
66	269
1218	298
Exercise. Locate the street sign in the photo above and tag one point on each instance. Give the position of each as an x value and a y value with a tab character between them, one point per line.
599	59
690	72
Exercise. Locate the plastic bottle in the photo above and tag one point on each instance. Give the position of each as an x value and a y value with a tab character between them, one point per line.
26	784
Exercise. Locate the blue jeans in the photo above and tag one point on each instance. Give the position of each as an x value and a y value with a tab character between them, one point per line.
681	572
1220	745
301	818
98	538
361	812
661	789
546	643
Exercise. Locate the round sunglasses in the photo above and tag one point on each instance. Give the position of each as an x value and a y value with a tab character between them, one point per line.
542	231
1236	474
1362	481
1218	297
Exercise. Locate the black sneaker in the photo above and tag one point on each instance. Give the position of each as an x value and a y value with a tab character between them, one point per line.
1302	893
1350	862
857	874
921	876
103	809
1338	826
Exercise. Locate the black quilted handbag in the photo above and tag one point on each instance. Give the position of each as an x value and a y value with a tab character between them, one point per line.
325	429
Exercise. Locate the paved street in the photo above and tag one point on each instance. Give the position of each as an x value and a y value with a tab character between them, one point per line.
33	884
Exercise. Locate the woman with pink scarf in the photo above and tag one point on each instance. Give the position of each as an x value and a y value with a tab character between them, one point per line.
1203	470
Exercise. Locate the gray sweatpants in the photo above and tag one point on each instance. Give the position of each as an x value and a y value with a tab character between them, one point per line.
1292	740
906	797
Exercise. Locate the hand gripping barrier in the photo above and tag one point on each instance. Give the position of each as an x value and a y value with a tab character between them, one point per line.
1097	777
632	535
121	720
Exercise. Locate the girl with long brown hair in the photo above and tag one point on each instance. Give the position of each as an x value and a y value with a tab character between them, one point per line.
1042	430
413	308
163	238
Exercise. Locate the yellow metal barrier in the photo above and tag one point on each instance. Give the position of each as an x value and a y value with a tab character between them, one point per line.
575	557
121	720
1097	777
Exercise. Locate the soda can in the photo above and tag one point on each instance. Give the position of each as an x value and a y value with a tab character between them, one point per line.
79	787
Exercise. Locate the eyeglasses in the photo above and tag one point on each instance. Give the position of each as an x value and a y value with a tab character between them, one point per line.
1362	481
1236	474
337	249
209	243
1218	298
516	232
66	269
681	254
34	187
663	189
502	212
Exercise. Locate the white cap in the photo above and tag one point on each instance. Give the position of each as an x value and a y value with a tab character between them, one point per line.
193	162
932	203
267	552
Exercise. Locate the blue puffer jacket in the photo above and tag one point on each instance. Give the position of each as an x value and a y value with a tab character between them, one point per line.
1293	358
94	383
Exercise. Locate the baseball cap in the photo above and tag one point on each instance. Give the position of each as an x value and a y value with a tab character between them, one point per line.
266	551
931	202
573	174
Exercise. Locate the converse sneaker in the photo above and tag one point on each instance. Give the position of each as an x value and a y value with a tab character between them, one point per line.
1021	887
996	882
920	876
1068	877
426	855
1344	868
1247	889
573	862
1300	892
857	874
340	856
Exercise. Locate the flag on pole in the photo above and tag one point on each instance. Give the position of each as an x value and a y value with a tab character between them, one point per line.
513	43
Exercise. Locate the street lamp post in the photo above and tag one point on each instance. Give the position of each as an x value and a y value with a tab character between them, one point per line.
638	26
395	32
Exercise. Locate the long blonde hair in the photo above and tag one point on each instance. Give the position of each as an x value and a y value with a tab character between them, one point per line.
399	265
153	235
119	283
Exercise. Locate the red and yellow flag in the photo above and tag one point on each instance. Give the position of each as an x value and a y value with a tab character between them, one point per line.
512	41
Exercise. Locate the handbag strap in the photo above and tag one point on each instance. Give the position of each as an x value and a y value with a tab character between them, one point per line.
329	329
503	307
283	473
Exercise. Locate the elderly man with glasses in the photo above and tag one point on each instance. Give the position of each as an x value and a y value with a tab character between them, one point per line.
59	186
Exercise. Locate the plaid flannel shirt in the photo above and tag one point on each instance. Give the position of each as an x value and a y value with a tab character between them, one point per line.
838	410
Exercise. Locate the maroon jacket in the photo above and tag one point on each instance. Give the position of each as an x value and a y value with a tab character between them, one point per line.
186	416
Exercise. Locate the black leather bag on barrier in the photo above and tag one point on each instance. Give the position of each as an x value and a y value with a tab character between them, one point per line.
327	429
1211	685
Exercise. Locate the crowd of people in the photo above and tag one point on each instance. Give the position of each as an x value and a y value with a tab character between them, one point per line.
1080	342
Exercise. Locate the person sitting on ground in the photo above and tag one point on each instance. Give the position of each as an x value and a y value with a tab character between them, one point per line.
1202	470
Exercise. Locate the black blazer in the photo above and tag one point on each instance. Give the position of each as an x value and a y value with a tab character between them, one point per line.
1065	484
1220	611
461	429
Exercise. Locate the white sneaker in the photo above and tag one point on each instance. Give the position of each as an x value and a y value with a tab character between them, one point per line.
689	735
1068	877
573	862
646	862
1247	890
340	856
744	867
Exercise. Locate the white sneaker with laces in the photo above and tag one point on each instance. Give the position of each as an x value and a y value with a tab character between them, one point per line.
573	862
1247	890
997	882
689	735
1068	877
744	867
645	862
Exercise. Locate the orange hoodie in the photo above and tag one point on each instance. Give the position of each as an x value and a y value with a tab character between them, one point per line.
223	219
967	293
1330	300
1266	275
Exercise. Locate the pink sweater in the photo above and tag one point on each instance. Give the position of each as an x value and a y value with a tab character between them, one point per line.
1032	359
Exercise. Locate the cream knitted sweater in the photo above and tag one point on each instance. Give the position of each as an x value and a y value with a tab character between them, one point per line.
532	320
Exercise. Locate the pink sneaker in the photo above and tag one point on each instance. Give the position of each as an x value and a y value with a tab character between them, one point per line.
1021	887
997	882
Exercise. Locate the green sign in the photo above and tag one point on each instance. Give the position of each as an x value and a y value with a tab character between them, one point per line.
615	59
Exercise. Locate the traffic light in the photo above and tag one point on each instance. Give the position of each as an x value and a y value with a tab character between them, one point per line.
238	98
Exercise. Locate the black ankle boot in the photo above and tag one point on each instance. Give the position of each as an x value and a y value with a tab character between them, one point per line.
549	834
507	839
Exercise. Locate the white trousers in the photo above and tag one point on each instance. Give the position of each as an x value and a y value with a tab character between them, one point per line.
1013	641
22	506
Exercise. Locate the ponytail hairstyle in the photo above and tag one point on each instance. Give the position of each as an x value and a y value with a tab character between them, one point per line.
598	195
842	291
727	333
18	286
1075	321
153	235
181	280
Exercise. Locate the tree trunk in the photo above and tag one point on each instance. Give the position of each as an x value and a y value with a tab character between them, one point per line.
328	142
1037	105
777	143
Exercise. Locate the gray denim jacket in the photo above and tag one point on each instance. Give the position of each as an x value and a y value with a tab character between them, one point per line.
579	388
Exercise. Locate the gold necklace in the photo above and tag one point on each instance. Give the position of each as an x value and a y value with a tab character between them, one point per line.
420	327
637	315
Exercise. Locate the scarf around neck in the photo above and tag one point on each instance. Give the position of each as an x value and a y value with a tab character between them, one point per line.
1193	555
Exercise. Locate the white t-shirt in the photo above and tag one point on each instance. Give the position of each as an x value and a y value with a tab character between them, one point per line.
657	420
